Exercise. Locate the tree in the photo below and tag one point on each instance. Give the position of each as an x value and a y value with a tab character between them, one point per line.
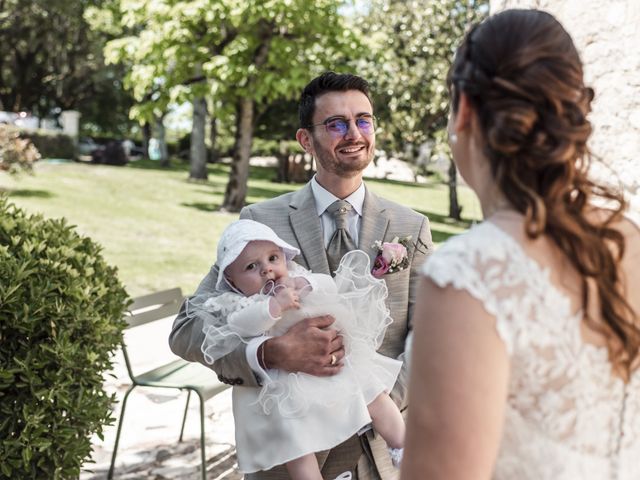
50	60
413	44
240	54
280	46
164	46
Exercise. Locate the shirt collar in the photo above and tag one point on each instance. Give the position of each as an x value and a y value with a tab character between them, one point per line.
324	197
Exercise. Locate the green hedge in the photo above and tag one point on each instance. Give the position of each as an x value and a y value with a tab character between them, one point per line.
62	311
51	144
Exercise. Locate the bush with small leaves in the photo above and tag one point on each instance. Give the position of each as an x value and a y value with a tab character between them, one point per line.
61	318
16	154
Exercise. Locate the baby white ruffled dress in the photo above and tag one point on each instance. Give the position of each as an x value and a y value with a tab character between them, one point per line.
294	414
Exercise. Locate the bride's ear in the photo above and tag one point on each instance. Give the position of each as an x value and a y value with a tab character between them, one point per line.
465	114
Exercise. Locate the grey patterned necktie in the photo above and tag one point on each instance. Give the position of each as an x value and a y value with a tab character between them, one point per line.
341	242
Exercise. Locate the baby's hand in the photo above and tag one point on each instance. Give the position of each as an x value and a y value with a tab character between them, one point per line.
285	298
286	282
300	284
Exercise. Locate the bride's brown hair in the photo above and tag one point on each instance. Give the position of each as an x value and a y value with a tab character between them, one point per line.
524	78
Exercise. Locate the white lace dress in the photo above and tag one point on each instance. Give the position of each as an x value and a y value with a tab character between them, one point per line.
567	417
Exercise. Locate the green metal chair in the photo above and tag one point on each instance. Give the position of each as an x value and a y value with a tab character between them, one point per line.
178	374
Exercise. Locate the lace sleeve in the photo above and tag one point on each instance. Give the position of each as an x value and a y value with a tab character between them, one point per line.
483	263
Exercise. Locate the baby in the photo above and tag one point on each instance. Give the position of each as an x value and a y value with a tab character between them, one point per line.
260	291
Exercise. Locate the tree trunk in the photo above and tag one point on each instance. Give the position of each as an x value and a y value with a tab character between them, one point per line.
214	155
146	136
198	151
164	152
236	191
454	207
283	158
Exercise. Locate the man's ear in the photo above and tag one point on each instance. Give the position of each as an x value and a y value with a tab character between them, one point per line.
304	139
464	115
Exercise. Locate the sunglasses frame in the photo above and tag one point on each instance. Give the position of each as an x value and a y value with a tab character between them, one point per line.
370	119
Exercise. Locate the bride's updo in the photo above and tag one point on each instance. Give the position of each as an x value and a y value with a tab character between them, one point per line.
524	78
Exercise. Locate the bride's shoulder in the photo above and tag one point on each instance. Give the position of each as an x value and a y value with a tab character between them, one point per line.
484	237
484	250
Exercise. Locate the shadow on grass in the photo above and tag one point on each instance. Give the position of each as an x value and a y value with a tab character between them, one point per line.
174	165
26	193
215	169
400	183
203	207
439	218
440	236
267	193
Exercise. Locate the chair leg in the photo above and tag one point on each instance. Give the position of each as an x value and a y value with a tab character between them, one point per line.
184	418
202	448
115	447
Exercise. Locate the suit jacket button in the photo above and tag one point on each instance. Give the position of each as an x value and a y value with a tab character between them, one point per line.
239	381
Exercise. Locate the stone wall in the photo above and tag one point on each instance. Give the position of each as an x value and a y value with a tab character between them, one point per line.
607	36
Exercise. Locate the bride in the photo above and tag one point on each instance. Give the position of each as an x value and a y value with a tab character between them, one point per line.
526	344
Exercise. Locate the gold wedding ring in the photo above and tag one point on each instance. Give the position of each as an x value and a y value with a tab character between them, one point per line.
334	359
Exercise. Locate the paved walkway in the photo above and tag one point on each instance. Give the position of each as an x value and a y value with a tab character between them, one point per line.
149	447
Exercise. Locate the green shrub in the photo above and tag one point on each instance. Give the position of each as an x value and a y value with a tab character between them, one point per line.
16	154
51	144
61	317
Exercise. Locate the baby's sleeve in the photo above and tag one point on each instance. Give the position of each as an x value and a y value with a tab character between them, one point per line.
252	320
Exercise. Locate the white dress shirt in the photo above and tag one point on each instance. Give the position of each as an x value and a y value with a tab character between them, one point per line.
323	198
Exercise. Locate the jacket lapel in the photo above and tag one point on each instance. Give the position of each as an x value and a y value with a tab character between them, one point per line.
375	221
305	224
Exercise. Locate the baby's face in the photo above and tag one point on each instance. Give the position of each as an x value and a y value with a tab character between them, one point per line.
259	262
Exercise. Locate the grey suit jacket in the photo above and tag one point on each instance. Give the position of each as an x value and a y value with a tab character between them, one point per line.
294	218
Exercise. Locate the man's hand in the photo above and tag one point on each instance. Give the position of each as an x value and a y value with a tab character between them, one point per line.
311	346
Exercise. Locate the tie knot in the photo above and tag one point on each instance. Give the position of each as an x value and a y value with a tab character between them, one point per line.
339	210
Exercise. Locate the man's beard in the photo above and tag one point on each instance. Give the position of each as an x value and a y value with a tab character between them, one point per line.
329	162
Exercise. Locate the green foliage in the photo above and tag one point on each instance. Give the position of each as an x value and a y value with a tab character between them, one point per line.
16	154
52	60
412	46
62	311
224	49
51	144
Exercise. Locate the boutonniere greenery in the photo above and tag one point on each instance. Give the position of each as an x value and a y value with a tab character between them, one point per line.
392	256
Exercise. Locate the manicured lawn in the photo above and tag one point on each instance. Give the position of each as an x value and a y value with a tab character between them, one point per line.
160	230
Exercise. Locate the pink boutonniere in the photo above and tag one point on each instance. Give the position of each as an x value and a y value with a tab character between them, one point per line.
392	256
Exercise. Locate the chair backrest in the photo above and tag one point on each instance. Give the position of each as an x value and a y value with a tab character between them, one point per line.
150	308
154	306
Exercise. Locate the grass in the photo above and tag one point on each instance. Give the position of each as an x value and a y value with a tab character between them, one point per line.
160	230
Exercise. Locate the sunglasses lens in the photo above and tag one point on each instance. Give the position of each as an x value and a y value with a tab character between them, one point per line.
365	125
337	127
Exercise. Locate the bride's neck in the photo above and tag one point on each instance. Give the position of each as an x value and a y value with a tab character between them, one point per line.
493	201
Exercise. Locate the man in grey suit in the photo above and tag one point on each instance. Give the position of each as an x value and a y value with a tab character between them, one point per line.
338	130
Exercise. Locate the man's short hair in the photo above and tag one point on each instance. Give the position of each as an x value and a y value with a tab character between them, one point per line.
325	83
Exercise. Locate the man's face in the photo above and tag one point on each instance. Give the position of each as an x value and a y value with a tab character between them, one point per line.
259	262
339	151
